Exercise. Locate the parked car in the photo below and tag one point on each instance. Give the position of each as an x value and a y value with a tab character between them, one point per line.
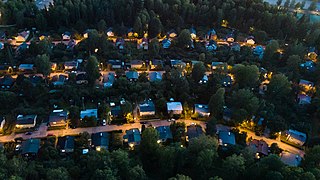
104	123
28	133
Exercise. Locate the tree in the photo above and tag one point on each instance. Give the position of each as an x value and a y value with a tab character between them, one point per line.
279	87
313	6
274	148
198	71
260	36
180	177
92	42
287	3
102	25
184	39
270	52
216	103
155	27
312	158
92	70
211	126
149	149
59	173
8	100
104	174
43	64
234	166
279	2
154	48
246	76
137	173
245	101
294	62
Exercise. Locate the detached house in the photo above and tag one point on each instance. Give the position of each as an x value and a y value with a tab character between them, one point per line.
303	99
132	137
147	108
156	64
226	138
202	110
109	32
58	117
166	43
100	141
66	36
211	35
137	64
295	137
211	46
155	76
66	144
260	147
193	131
172	33
309	66
258	51
174	107
115	64
89	113
26	121
30	147
164	133
22	36
250	40
71	65
306	85
143	44
26	68
132	75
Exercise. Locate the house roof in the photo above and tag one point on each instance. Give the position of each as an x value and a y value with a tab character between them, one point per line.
155	76
226	137
136	62
67	33
201	108
6	81
71	63
211	32
26	66
58	115
114	62
156	62
30	146
290	158
296	136
164	132
217	63
66	142
309	65
304	99
89	113
132	75
174	106
306	83
258	50
100	139
115	110
133	135
147	106
227	112
259	146
26	119
194	131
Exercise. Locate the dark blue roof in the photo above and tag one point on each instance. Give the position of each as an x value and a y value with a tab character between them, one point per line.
147	106
66	142
100	139
226	138
194	131
30	146
164	132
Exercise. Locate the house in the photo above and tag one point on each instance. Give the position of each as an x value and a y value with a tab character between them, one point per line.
193	131
155	76
66	144
166	43
26	121
87	32
226	138
177	63
143	44
89	113
226	81
263	87
5	69
6	82
137	64
147	108
156	64
81	78
174	107
204	79
120	43
22	36
290	159
216	65
227	114
2	122
100	141
71	65
230	38
164	133
211	35
132	75
309	66
58	117
66	36
110	80
258	51
109	32
130	32
306	85
260	147
22	48
202	110
30	147
172	33
235	47
303	99
132	137
71	44
193	33
250	40
295	137
26	68
115	64
211	46
60	81
115	111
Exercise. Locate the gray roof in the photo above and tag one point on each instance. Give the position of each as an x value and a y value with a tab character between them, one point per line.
155	76
194	131
89	113
58	115
133	135
201	108
30	146
147	106
164	132
132	75
226	137
66	142
100	139
26	119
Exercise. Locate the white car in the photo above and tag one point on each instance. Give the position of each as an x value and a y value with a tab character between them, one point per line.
104	123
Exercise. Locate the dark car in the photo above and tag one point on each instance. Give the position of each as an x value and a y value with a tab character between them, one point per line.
28	133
